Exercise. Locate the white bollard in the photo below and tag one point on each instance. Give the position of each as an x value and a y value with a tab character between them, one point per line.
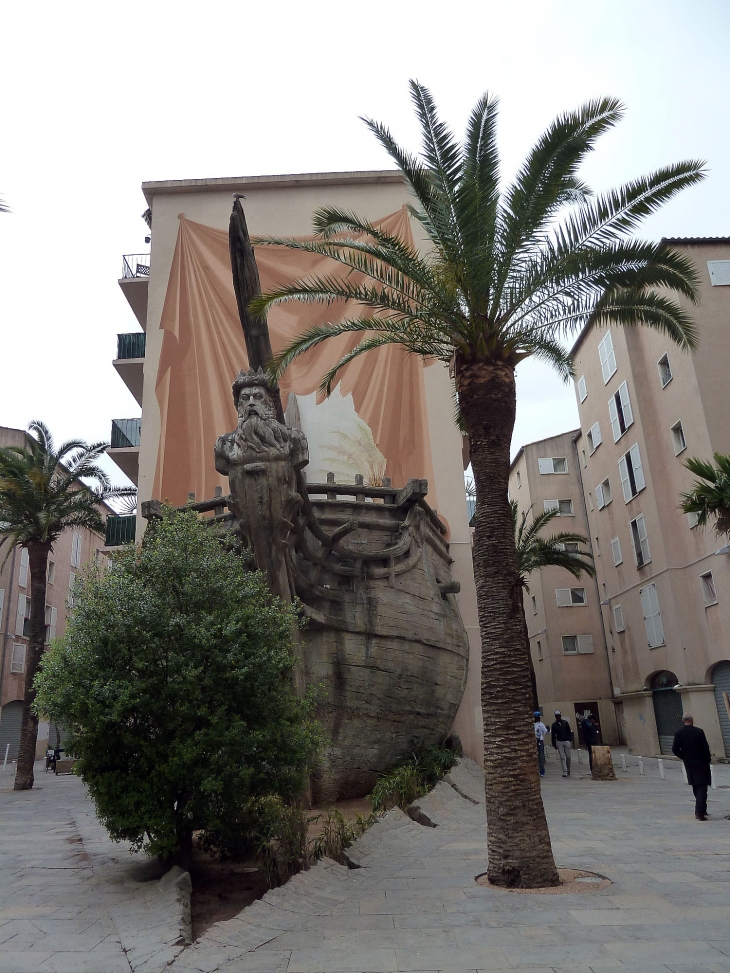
641	766
579	757
684	772
713	782
623	762
7	751
661	769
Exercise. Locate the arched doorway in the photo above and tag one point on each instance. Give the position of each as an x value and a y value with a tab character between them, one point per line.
667	708
11	716
721	681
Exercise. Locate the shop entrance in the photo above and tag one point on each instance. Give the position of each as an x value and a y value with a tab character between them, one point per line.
721	680
667	708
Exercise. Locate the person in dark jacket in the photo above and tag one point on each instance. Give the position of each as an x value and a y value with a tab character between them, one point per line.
691	746
561	739
590	737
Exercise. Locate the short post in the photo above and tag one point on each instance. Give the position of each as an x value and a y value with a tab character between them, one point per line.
331	479
359	479
713	782
684	772
660	764
641	766
5	761
623	762
579	758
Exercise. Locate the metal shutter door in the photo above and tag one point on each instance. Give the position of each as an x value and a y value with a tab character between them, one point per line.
668	715
721	679
11	717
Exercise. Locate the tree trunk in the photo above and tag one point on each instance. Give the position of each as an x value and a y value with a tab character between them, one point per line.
520	854
38	560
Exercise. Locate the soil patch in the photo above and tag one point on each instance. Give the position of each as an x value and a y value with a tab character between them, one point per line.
223	889
573	881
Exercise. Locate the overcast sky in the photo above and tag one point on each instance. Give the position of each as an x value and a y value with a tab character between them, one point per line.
97	97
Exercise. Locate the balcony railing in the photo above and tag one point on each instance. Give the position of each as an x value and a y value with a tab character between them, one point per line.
135	265
131	345
120	530
125	433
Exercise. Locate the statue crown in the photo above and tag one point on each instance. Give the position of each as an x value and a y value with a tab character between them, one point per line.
252	379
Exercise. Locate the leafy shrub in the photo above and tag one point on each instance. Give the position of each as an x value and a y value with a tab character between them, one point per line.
412	778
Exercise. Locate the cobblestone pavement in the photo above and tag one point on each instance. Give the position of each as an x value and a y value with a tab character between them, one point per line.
413	904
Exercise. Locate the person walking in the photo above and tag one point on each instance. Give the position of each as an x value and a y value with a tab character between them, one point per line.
541	731
562	737
590	737
691	746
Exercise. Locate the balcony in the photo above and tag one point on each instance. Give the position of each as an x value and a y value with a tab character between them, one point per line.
124	449
134	283
129	362
120	530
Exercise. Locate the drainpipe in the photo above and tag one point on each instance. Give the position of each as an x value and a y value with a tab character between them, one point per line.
7	625
590	544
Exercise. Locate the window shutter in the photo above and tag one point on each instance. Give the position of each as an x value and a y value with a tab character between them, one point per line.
545	464
20	617
23	572
652	616
563	597
600	502
52	626
719	272
548	505
76	550
638	470
618	618
17	657
623	392
582	390
585	644
595	433
643	538
623	470
616	550
607	357
613	416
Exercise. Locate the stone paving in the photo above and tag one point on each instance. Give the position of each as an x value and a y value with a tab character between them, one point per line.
412	905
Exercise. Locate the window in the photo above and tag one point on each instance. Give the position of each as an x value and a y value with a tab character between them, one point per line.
534	605
603	494
519	479
50	623
22	618
665	372
572	547
563	507
577	644
607	357
616	551
552	464
632	473
640	541
17	657
71	583
23	572
719	272
76	550
570	597
709	593
693	519
620	412
582	390
678	440
618	618
652	616
594	437
51	573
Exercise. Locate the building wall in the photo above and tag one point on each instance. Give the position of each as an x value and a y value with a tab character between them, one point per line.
563	680
12	684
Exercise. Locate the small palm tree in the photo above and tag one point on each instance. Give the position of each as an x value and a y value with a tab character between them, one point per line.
710	495
44	491
507	274
535	552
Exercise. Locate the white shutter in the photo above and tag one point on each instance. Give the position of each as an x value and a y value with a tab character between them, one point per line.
548	505
613	416
17	657
71	582
52	625
600	502
643	538
618	618
2	603
607	357
20	617
652	616
563	597
638	470
76	550
623	470
23	572
582	390
692	519
623	392
545	464
616	550
719	272
594	436
585	644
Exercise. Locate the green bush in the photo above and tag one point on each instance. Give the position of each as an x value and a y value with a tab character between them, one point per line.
412	778
174	681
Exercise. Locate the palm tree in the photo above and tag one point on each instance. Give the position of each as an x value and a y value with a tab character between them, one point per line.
507	274
710	495
41	496
535	552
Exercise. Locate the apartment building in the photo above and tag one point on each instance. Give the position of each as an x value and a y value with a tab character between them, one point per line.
663	581
564	620
180	363
71	552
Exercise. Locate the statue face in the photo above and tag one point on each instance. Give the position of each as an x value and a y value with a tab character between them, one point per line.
256	401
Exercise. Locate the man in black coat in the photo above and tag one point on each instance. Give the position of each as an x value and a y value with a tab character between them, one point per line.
691	746
590	737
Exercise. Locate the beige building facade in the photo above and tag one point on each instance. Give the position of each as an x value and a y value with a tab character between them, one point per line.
183	212
70	554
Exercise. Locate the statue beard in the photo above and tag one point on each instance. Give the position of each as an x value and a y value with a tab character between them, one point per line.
261	435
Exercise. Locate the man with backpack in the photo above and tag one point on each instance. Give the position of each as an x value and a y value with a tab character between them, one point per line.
562	739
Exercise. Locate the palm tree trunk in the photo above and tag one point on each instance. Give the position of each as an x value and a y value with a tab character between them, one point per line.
37	560
520	854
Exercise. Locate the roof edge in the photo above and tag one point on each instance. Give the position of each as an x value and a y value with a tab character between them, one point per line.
536	442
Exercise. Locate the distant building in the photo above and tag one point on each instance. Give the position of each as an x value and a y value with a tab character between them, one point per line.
70	553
